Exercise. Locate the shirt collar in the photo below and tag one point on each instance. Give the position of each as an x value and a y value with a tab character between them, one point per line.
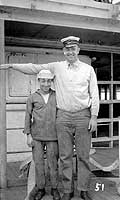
39	92
75	65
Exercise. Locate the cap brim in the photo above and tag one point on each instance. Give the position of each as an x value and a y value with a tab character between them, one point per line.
45	77
71	45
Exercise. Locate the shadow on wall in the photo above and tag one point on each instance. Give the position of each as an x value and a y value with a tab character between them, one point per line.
105	1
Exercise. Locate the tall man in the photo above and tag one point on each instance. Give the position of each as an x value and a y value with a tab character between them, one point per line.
78	105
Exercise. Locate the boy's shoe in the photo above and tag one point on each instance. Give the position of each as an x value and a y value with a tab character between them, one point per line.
33	193
55	193
40	194
85	195
67	196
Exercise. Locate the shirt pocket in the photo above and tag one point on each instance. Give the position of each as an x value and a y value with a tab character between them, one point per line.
38	105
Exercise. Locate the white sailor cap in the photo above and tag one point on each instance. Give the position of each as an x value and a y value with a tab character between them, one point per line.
70	41
45	74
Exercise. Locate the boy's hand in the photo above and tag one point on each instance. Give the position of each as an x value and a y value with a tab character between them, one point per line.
5	66
29	140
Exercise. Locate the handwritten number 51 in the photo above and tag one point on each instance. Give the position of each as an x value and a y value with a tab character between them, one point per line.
99	186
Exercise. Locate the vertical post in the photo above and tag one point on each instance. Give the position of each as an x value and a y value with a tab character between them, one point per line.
3	151
119	147
111	105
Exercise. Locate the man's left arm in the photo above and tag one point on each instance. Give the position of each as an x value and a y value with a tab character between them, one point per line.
94	95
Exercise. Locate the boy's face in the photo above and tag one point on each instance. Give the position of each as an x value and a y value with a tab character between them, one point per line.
45	84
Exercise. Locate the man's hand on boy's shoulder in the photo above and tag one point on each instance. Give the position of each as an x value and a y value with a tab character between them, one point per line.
5	66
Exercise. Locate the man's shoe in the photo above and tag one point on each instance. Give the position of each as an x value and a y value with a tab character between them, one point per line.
33	193
85	195
67	196
40	194
72	194
55	194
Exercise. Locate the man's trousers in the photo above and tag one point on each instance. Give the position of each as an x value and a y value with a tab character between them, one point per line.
72	128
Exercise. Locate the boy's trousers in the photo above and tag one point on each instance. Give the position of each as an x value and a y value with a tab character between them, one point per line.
73	127
52	161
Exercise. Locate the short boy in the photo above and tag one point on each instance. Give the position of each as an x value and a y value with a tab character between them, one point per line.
40	122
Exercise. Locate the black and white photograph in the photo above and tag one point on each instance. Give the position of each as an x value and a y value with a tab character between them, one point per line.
59	99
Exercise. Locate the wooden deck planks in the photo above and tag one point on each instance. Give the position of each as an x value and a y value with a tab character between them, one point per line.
19	193
105	196
109	193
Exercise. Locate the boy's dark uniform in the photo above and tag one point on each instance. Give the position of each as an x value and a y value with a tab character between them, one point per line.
40	123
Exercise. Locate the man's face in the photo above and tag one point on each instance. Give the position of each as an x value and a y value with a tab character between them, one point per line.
71	53
45	84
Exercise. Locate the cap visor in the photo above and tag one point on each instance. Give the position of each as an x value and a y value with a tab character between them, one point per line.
71	45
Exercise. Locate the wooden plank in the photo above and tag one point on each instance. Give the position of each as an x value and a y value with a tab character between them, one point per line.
111	105
15	88
16	107
107	120
15	157
77	7
104	139
15	119
71	16
83	3
3	148
26	3
16	141
43	44
104	82
16	100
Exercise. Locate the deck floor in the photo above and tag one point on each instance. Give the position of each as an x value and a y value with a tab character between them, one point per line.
17	189
109	192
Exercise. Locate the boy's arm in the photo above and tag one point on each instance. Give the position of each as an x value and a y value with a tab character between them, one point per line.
28	68
28	118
